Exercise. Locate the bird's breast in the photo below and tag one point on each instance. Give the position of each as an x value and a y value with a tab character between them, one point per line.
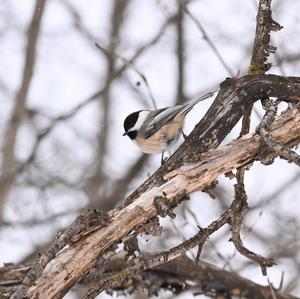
164	138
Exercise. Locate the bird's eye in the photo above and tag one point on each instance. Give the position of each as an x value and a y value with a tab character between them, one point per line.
132	134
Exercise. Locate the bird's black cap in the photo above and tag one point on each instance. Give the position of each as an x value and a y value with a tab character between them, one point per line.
130	121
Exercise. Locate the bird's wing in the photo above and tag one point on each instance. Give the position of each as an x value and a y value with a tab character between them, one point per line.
162	116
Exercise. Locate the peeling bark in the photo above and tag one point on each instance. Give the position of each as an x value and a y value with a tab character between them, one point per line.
74	262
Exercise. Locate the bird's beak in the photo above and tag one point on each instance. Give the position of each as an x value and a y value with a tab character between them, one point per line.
125	134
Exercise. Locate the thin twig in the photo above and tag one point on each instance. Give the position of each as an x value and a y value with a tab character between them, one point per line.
280	149
260	52
230	216
239	208
131	65
209	41
161	258
54	122
126	219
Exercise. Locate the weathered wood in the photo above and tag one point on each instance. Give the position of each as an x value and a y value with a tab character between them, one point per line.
180	274
75	261
212	281
235	97
261	47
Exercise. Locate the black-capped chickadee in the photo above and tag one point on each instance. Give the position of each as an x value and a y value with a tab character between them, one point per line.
155	131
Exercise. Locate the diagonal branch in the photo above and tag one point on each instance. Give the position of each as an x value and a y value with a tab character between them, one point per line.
230	216
178	275
178	183
81	225
235	97
207	279
209	41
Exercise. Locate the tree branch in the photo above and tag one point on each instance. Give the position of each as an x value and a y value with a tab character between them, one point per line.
235	97
8	158
258	65
261	47
178	275
278	148
69	265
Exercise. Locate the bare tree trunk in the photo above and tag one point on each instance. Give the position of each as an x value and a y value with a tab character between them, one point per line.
9	162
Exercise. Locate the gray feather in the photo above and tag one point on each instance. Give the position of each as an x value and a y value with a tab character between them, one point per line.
162	116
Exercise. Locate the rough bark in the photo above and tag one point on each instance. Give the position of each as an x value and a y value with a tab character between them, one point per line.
235	97
74	262
178	275
214	282
195	166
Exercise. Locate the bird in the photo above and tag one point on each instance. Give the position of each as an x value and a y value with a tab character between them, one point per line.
158	130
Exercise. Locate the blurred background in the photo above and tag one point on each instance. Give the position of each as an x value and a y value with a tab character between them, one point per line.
63	102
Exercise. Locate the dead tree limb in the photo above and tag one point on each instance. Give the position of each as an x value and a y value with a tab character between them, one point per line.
231	216
195	166
197	171
228	107
206	279
260	51
235	97
258	65
261	47
178	275
281	150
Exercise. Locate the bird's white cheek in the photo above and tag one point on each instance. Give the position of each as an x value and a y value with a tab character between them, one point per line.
142	117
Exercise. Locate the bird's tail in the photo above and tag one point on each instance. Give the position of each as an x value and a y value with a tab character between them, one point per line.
189	106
